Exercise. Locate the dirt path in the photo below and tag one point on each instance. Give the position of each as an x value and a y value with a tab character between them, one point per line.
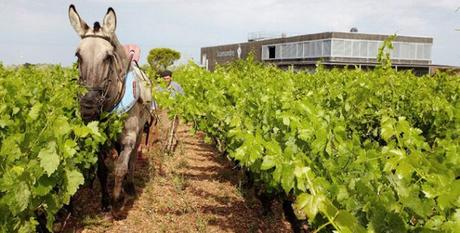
193	190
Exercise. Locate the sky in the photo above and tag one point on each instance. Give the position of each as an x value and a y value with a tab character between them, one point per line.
38	31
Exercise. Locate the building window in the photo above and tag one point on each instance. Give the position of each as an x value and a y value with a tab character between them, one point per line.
344	48
338	48
347	48
327	48
311	49
420	52
427	53
299	50
317	49
395	52
271	52
288	51
363	48
355	48
412	51
306	49
404	51
373	49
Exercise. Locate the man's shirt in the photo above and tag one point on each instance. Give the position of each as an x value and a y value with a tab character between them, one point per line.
175	88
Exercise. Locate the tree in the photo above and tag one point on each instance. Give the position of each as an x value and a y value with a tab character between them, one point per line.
161	58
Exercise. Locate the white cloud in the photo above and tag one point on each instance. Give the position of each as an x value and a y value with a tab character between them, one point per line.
187	25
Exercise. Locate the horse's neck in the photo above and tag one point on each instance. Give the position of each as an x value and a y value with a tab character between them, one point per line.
120	51
121	67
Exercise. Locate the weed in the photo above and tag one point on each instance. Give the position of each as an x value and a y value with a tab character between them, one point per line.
179	181
201	224
181	164
95	222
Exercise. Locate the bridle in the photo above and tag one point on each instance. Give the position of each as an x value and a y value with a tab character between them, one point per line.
101	37
107	80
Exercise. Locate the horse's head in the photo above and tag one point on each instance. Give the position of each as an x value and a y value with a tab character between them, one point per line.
102	63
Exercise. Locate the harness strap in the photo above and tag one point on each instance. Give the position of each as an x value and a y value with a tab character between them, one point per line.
121	89
118	67
101	37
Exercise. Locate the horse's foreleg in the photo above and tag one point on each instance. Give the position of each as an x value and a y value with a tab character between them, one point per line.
121	164
102	175
129	187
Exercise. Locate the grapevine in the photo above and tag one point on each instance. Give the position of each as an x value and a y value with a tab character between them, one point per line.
45	148
361	151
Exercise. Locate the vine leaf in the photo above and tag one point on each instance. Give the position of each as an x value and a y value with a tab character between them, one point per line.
74	179
49	159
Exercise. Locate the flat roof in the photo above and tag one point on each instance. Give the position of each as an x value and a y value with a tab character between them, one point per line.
331	35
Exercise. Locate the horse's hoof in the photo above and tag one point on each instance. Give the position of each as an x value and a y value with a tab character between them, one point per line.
118	215
106	209
117	204
130	189
107	216
105	203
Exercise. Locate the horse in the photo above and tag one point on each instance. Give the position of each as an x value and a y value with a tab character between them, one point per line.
104	66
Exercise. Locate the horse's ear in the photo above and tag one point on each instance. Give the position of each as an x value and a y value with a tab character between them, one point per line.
110	21
77	23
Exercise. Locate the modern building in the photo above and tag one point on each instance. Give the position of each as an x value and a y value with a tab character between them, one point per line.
332	49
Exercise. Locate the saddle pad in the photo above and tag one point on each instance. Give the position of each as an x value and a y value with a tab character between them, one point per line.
132	91
145	94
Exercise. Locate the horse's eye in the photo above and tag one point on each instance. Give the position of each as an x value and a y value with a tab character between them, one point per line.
77	54
108	58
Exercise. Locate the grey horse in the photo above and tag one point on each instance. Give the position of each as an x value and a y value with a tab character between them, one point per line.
103	65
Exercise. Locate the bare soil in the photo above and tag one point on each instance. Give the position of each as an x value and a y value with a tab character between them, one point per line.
194	189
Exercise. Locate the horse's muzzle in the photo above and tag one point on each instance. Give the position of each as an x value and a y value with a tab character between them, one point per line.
91	106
